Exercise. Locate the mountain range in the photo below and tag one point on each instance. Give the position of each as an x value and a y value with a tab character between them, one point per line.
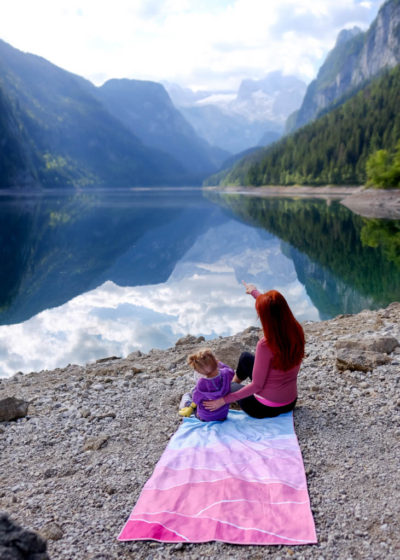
58	130
255	115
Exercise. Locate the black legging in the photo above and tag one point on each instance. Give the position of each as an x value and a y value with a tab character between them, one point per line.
250	404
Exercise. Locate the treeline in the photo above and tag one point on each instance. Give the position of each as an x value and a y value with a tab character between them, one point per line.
335	148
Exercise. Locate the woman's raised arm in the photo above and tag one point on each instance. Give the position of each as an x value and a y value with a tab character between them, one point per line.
251	289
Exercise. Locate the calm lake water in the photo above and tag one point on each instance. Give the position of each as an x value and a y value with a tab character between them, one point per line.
88	275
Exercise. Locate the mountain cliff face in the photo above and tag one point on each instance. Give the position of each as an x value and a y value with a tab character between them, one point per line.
356	58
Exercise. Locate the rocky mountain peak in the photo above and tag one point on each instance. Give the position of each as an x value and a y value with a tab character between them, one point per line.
356	58
347	34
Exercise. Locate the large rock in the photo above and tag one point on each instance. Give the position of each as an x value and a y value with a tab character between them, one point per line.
12	408
189	339
382	344
229	350
360	360
19	544
364	354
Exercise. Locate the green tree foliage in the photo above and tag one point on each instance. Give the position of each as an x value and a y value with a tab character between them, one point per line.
383	169
335	148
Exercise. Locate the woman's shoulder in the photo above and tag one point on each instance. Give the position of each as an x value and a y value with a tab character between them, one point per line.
262	345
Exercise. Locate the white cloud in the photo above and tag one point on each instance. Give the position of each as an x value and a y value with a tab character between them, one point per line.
200	44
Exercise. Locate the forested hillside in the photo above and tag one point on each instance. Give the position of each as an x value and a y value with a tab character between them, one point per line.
333	149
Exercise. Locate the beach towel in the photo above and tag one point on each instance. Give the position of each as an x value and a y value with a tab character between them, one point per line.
240	481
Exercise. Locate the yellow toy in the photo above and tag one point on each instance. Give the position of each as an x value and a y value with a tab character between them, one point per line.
188	410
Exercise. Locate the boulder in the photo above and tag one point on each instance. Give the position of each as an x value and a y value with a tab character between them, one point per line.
20	544
381	344
360	360
228	352
12	408
364	354
189	339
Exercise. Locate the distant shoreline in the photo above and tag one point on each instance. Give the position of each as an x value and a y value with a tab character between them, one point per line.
367	202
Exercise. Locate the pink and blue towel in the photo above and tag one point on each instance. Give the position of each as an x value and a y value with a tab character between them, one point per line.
240	481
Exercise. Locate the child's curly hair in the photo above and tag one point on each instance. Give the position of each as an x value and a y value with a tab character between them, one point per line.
202	358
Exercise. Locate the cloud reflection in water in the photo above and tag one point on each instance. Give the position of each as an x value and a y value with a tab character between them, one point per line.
203	296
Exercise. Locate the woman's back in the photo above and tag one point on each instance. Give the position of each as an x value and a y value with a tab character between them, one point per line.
279	386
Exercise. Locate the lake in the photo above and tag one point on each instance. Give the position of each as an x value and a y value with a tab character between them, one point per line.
86	275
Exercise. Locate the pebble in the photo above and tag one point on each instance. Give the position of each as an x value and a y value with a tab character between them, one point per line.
98	387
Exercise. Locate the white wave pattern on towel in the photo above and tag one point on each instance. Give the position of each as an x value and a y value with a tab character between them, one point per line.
212	486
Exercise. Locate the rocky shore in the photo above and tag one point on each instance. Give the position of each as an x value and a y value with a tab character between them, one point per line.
74	463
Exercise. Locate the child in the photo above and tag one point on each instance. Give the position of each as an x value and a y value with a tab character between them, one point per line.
215	383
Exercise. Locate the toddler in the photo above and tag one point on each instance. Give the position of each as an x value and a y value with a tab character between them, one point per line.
214	383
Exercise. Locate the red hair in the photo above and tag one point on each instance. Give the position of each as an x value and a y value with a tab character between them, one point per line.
283	333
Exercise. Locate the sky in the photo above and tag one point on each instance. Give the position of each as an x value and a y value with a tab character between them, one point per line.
200	44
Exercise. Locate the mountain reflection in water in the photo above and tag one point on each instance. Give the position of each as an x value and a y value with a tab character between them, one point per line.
96	274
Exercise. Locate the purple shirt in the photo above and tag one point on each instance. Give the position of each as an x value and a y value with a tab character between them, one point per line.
211	388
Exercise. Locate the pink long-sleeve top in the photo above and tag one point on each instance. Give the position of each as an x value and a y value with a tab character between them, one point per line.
272	386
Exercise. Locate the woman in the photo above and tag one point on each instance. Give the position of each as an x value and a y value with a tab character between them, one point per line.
274	368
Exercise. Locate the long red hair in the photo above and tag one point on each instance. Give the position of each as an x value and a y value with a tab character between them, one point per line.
283	333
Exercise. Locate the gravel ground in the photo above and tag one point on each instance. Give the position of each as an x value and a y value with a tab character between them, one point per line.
74	467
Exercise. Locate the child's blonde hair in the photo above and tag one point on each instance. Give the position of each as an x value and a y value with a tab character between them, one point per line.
203	357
